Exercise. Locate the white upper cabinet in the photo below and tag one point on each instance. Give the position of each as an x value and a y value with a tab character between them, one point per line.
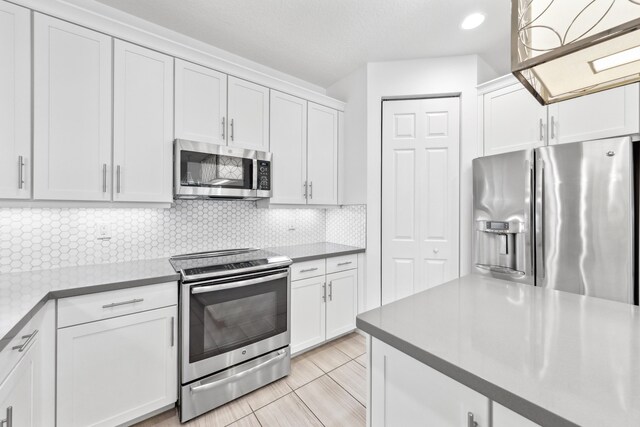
143	131
322	155
248	106
614	112
289	147
513	120
72	111
15	102
200	103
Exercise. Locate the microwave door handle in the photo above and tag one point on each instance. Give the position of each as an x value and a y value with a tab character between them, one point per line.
255	174
241	283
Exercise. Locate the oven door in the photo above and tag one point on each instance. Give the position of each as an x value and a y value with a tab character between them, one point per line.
228	321
205	170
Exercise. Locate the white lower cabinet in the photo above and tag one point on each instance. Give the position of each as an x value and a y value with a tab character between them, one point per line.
18	397
113	371
504	417
406	392
325	306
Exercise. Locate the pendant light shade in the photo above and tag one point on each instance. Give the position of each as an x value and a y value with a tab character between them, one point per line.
562	49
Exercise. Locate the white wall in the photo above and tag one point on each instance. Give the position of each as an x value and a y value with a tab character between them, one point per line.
409	78
352	89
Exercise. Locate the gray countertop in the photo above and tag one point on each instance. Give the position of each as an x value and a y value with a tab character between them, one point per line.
299	253
23	294
554	357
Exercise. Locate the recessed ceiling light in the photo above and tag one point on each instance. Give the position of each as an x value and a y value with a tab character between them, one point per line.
472	21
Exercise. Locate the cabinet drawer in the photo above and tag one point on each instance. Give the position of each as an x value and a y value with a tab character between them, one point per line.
104	305
9	357
341	263
303	270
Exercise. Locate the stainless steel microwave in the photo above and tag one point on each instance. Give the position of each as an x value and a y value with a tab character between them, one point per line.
206	171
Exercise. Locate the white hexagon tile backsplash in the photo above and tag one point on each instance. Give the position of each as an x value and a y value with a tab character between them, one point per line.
35	239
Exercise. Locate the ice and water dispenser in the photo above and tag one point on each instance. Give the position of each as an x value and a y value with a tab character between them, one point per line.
500	247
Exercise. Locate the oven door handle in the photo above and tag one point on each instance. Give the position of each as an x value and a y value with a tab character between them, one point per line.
281	355
213	288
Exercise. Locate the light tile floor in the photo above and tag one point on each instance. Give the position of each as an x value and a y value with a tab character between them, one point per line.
326	387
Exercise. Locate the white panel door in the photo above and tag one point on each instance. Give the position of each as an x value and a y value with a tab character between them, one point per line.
15	102
289	148
420	195
307	313
200	103
143	125
615	112
72	111
513	120
342	301
18	392
113	371
406	392
248	106
322	155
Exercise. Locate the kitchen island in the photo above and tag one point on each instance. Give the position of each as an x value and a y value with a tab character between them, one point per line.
503	354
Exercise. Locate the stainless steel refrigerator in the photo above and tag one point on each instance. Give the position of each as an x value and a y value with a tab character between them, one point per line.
560	217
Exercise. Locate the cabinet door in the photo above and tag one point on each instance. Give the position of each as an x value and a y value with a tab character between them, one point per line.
611	113
406	392
289	147
72	111
201	103
322	155
248	115
143	125
307	313
503	417
18	398
113	371
342	300
513	120
15	102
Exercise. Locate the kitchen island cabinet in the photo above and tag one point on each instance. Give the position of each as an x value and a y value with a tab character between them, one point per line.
538	356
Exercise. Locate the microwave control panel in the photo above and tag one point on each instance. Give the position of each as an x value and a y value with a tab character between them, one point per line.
264	175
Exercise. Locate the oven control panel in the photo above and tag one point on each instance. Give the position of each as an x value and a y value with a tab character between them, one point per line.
264	175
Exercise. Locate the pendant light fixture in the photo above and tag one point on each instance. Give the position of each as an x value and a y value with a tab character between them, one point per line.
562	49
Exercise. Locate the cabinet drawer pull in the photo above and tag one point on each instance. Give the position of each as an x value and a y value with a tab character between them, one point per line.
172	327
306	270
104	177
223	124
311	190
232	130
24	345
470	421
324	292
331	290
118	179
8	422
344	263
116	304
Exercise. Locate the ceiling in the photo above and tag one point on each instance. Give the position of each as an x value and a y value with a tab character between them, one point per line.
321	41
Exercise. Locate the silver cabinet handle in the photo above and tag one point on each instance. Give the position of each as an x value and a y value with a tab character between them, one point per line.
8	422
311	190
20	173
553	125
541	130
324	292
223	128
118	178
331	290
306	270
116	304
470	421
172	326
232	131
25	344
344	263
304	186
104	177
281	355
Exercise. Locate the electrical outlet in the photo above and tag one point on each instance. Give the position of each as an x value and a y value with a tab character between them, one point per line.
103	231
291	227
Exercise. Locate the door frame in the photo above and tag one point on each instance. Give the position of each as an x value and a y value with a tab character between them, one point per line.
410	98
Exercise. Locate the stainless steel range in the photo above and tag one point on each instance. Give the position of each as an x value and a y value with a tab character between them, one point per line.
235	325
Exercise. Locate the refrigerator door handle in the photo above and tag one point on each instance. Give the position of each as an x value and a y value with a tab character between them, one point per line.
531	222
539	220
